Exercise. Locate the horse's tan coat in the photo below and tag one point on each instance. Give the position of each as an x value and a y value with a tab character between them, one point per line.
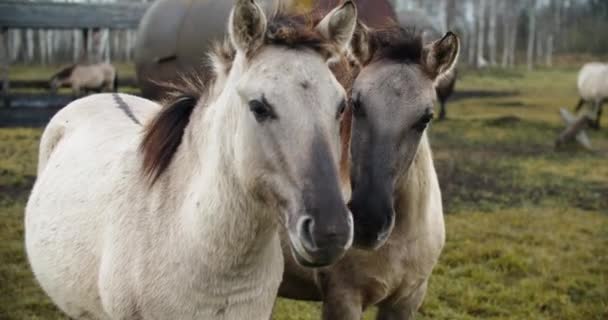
394	277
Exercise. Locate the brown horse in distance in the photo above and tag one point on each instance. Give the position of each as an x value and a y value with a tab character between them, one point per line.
86	77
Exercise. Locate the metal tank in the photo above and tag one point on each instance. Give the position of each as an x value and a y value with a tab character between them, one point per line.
175	35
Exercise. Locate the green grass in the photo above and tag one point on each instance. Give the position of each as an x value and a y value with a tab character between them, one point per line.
527	226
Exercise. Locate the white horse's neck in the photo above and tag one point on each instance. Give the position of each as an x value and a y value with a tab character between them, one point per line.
415	191
217	216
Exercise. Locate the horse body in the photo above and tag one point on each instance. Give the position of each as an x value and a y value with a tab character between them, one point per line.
130	256
593	89
113	233
94	77
593	81
395	197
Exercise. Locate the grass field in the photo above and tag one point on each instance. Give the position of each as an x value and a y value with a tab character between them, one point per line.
527	226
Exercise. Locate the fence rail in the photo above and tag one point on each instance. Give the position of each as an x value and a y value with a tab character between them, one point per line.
54	15
44	84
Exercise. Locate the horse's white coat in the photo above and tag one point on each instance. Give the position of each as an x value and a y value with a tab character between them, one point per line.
197	244
593	82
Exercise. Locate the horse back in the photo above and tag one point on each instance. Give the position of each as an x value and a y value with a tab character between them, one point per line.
93	118
593	81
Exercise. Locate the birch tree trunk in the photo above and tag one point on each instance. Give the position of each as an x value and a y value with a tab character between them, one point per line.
472	43
450	14
513	40
90	43
492	37
42	46
102	46
48	42
540	42
506	34
29	34
531	35
481	32
549	56
15	48
76	45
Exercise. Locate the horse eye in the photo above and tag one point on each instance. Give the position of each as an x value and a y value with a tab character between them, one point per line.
423	122
261	110
358	110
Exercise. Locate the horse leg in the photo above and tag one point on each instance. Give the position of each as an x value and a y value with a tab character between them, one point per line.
340	300
442	111
342	305
600	108
403	309
581	103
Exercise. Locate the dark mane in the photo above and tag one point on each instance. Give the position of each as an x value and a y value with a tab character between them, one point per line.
64	72
296	31
396	44
164	133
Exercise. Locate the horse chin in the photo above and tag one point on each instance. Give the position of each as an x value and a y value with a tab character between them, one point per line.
305	258
372	242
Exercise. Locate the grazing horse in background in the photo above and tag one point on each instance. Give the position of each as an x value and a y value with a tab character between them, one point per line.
445	88
143	212
80	77
396	200
593	89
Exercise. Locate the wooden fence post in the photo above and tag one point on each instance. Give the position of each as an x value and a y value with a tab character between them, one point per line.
5	61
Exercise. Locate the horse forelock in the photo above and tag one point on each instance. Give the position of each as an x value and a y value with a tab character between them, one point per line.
294	31
403	45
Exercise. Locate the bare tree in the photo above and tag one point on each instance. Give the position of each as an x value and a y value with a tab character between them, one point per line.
492	35
531	33
481	31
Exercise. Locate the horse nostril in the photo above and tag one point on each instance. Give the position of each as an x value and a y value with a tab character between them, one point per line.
306	227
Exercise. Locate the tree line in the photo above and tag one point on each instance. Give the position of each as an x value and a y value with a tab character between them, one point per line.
493	32
509	32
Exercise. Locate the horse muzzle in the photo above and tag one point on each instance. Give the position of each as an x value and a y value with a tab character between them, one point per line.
374	222
315	246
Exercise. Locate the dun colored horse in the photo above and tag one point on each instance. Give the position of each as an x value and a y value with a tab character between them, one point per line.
80	77
396	200
143	212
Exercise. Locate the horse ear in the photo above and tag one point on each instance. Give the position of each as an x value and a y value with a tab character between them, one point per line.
360	43
247	26
338	25
441	56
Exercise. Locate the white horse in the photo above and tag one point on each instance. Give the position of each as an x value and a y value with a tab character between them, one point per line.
593	88
180	220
